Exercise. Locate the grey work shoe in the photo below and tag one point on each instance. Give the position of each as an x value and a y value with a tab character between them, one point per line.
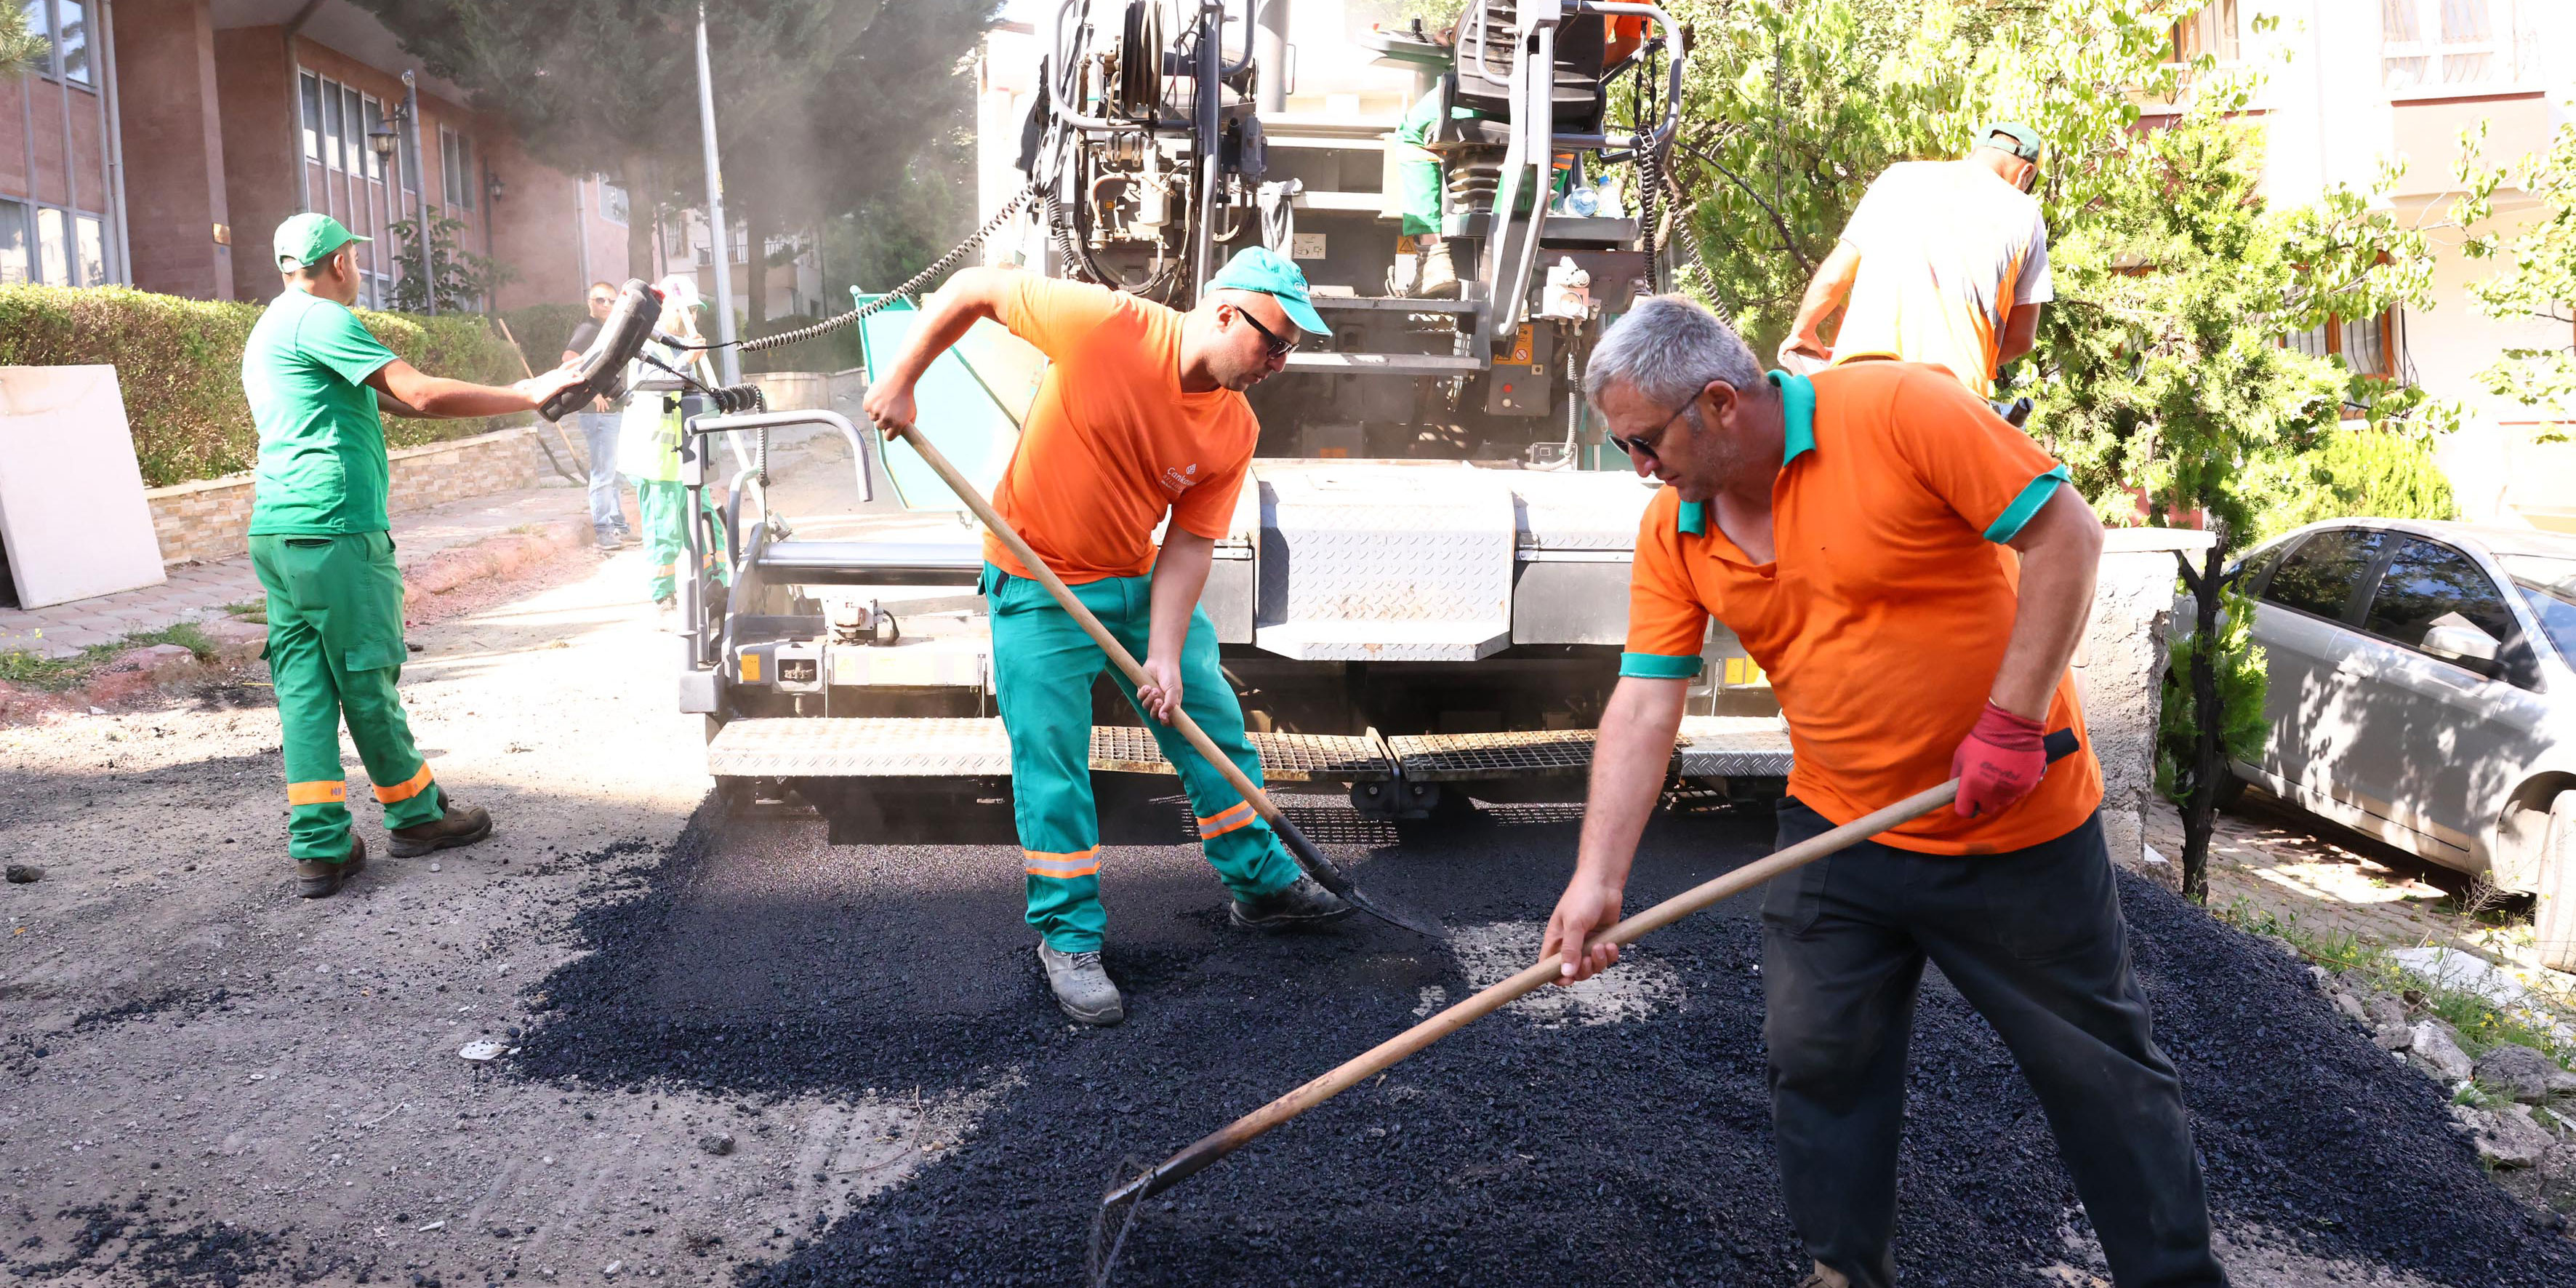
608	538
1824	1276
321	878
461	825
1300	903
1082	986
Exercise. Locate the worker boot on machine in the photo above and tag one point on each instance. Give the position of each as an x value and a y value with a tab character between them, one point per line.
1301	903
1082	987
1439	274
460	825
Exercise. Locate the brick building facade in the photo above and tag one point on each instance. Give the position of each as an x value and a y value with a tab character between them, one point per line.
165	139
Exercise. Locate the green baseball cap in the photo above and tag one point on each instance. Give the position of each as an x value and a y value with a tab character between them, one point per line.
1259	268
309	238
2025	139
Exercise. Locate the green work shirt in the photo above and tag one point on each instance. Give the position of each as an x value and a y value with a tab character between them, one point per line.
322	469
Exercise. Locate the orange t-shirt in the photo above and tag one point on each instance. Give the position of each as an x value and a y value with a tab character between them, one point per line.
1884	613
1111	442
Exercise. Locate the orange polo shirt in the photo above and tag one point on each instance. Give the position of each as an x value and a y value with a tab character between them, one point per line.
1883	615
1111	442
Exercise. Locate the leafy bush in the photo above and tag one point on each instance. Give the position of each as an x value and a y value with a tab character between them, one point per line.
178	362
2351	474
542	329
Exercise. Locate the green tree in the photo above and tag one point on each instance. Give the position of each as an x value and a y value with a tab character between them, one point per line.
465	280
2536	278
21	50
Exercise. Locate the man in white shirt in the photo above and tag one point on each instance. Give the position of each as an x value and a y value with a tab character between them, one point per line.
1943	262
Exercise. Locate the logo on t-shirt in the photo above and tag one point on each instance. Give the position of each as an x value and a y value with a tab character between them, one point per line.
1181	479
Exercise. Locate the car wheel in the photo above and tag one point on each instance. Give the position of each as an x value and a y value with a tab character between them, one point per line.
2557	913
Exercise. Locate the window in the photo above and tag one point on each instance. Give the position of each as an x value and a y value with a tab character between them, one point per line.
2211	31
374	115
456	167
2428	581
675	236
312	117
71	40
53	251
2367	346
2320	576
612	203
13	243
332	127
2549	589
2442	42
89	247
353	140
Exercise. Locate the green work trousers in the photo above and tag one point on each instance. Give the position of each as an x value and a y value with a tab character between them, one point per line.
335	650
664	506
1043	668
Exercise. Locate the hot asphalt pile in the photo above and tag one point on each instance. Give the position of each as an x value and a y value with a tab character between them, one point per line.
1531	1147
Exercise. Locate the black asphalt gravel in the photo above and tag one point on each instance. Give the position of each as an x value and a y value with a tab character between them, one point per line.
761	957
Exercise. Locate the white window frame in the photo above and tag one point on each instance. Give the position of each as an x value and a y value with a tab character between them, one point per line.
2502	47
615	211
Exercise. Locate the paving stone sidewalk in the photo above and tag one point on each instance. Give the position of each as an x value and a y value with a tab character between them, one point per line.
196	591
2268	857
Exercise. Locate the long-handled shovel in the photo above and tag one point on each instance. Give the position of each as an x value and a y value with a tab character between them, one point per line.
1322	869
1208	1149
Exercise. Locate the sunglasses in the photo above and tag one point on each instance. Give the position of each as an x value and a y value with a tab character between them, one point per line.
1644	444
1278	347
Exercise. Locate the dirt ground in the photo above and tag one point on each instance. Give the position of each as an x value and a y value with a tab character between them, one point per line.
210	1080
786	1050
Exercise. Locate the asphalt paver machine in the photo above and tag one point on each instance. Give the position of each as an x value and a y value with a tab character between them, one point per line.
1425	587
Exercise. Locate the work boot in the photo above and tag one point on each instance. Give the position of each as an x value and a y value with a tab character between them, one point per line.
1082	987
666	614
608	538
460	825
322	878
1439	274
1824	1276
1300	903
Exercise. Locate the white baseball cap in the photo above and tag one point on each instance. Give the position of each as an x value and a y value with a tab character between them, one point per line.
680	291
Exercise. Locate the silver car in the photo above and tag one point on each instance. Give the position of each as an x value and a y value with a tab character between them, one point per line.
2423	690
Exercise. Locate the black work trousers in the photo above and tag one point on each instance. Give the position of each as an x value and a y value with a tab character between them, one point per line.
2033	939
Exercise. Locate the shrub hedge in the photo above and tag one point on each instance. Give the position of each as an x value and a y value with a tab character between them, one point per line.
178	362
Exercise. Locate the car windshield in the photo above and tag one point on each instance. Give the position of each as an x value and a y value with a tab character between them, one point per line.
2549	586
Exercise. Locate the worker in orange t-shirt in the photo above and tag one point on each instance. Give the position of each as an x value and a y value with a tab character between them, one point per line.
1851	527
1140	415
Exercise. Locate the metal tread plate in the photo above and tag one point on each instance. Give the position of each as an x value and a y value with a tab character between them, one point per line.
793	747
1529	753
1732	747
1285	757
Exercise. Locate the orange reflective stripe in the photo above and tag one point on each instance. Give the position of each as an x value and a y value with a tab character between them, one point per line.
1240	816
406	789
666	568
1063	867
320	791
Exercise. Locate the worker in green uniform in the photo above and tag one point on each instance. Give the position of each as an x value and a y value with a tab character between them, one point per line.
648	450
318	541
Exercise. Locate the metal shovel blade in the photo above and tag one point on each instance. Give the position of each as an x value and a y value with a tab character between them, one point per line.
1330	876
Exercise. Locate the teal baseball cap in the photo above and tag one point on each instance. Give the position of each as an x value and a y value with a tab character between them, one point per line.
2025	139
1259	268
309	238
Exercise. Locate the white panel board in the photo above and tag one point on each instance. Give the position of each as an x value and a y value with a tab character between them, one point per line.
72	513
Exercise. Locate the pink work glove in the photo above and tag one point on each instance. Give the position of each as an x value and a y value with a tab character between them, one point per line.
1998	763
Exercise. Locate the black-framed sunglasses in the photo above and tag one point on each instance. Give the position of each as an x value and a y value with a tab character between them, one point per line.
1644	444
603	299
1278	347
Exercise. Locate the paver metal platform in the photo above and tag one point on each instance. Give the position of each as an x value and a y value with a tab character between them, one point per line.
1707	747
791	747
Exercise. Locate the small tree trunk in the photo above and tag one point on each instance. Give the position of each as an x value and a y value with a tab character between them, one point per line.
2209	758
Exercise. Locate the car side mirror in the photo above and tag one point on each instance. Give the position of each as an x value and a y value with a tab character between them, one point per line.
2454	638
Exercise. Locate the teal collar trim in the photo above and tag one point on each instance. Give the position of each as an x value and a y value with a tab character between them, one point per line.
1797	415
1798	437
